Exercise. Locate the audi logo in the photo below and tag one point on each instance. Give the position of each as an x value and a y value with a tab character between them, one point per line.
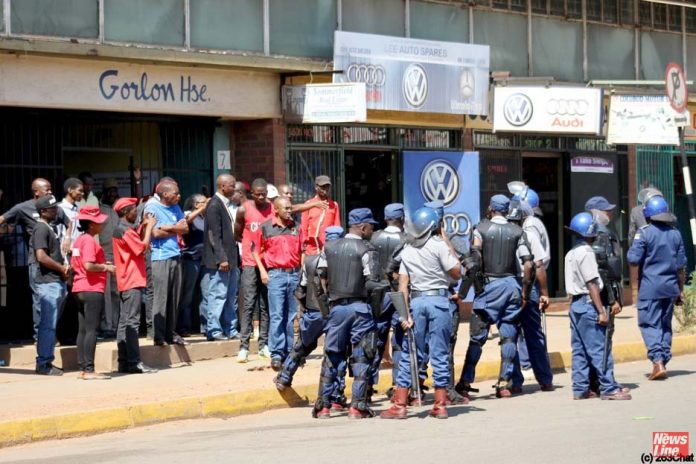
370	74
559	107
457	224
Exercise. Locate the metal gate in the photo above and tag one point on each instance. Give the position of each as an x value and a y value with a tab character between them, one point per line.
304	164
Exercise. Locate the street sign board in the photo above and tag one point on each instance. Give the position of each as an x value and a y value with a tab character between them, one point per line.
675	86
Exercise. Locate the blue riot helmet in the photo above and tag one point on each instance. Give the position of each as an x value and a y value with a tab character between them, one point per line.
422	224
532	198
438	206
657	209
583	224
520	207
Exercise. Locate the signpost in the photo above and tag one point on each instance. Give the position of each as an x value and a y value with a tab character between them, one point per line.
675	86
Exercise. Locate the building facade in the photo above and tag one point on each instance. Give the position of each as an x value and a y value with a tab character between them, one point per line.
189	88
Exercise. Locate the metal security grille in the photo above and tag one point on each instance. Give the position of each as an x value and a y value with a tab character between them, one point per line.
497	168
57	144
303	165
655	165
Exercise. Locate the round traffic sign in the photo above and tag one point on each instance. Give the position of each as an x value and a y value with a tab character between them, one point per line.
675	86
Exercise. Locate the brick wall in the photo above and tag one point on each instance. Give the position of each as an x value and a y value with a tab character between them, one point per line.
258	150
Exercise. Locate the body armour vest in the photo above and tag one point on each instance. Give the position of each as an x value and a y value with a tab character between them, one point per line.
310	264
345	269
499	248
386	243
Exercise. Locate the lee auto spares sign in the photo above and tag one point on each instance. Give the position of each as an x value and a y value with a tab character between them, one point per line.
563	110
407	74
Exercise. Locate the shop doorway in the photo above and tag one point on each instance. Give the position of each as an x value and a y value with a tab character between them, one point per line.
372	180
543	171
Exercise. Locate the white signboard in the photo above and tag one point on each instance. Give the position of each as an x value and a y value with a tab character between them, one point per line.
45	82
406	74
325	103
223	160
642	119
567	110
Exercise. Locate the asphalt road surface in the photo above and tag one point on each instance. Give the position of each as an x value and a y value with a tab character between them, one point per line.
534	427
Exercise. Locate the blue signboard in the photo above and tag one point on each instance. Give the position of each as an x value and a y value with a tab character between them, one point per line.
452	177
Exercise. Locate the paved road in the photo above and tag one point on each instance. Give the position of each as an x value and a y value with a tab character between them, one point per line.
533	427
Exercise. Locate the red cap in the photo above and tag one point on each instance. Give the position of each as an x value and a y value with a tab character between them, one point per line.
91	213
124	202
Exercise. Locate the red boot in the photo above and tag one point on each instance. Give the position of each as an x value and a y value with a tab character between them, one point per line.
439	410
398	409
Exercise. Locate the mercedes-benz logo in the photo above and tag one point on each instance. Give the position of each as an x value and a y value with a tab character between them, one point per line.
440	181
518	109
414	85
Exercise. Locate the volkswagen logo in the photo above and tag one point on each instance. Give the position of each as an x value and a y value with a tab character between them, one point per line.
414	85
440	181
370	74
518	109
457	224
557	107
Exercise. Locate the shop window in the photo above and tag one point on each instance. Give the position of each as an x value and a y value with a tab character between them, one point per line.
374	16
518	5
303	27
509	50
227	24
58	18
558	7
657	49
645	14
690	64
158	22
500	4
574	9
610	12
439	22
610	52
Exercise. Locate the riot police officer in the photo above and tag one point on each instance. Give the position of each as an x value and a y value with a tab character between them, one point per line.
658	252
427	265
637	218
388	241
533	347
311	322
498	244
588	316
348	271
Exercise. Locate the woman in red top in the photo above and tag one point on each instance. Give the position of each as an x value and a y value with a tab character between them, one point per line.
90	269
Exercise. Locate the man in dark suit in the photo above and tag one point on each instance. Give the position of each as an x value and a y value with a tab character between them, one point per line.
220	258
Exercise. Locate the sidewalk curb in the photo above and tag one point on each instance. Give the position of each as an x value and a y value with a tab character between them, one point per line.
249	402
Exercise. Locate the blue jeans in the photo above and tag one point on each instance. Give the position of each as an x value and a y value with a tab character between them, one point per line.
222	302
432	319
51	296
282	309
587	343
35	302
190	276
203	306
533	344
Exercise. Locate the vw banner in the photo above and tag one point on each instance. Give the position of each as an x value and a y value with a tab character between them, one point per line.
566	110
452	177
414	75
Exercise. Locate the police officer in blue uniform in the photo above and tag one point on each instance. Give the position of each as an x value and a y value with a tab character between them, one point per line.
311	322
533	347
658	252
588	316
388	241
498	244
428	263
349	272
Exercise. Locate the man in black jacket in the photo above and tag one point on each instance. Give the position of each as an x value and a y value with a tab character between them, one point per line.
220	257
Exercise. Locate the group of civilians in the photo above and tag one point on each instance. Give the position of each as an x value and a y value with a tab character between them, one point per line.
235	253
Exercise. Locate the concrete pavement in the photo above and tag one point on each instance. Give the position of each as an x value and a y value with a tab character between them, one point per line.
37	408
530	428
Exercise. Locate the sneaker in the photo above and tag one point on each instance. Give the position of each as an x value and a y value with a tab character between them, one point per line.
49	370
528	374
265	352
243	355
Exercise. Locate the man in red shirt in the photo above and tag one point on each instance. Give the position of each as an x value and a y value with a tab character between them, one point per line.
281	248
247	229
316	220
131	279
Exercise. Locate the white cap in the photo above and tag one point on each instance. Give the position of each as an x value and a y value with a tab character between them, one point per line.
272	192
